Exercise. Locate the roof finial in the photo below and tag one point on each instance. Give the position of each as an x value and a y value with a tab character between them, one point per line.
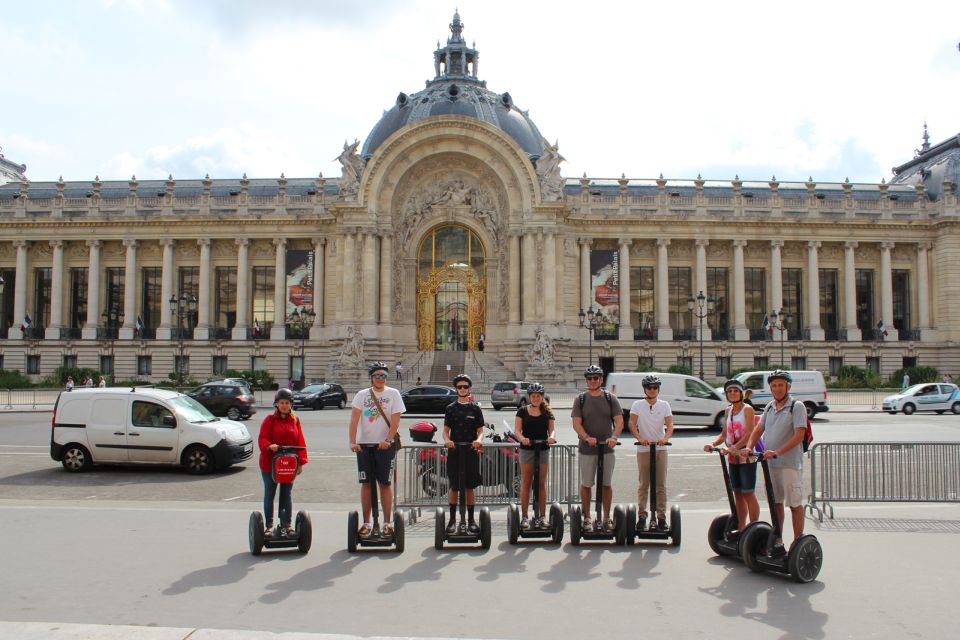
456	28
926	138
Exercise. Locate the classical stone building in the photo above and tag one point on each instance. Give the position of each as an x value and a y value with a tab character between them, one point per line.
453	222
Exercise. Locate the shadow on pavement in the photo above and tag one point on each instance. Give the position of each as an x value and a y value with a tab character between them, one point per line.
236	568
639	564
578	565
427	570
510	558
113	475
322	576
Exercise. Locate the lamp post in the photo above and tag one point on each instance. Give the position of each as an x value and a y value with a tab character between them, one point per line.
112	319
182	307
591	320
701	307
303	318
780	321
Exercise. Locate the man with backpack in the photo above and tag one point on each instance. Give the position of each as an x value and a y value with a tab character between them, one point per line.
783	426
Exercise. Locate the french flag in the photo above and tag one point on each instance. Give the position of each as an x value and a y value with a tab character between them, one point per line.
26	323
767	327
138	328
882	328
649	328
256	327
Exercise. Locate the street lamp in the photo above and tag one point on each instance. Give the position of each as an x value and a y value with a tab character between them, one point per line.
784	318
591	321
701	307
303	318
182	307
112	319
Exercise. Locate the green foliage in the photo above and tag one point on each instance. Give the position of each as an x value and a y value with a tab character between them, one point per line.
679	368
171	381
59	376
850	377
917	375
257	378
14	380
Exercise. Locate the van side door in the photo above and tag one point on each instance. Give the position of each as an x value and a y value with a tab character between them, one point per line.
107	429
153	433
702	402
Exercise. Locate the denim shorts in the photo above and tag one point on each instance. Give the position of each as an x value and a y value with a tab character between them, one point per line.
743	477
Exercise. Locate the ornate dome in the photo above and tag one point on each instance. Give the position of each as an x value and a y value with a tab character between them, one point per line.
931	166
456	91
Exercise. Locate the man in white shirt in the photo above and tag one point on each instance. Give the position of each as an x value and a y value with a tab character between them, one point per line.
651	420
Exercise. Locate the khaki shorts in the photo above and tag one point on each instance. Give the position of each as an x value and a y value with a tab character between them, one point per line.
588	469
787	486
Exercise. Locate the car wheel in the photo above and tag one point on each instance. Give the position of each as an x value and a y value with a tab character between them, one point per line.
198	460
497	407
76	458
811	411
343	404
908	409
233	413
718	422
956	408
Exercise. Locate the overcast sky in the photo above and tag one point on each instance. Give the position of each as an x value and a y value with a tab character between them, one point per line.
830	89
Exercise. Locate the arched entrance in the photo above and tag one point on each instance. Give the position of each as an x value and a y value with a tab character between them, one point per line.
451	290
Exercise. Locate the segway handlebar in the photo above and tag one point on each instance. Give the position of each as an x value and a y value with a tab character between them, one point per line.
288	448
753	455
665	444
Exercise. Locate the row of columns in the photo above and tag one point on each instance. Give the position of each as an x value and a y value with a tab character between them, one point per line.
531	299
367	276
737	294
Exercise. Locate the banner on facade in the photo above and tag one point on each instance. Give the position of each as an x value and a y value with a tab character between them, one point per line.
299	280
605	282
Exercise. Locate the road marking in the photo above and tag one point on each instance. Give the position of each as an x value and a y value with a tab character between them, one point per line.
24	446
246	495
22	453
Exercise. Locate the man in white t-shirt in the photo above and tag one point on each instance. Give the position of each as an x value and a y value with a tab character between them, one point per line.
651	420
369	427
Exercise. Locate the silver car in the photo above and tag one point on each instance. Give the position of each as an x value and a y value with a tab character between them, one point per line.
510	394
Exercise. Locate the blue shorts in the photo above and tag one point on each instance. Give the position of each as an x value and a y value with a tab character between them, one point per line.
384	462
743	477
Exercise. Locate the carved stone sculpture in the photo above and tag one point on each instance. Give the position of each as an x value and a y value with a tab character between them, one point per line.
351	354
548	171
352	168
541	353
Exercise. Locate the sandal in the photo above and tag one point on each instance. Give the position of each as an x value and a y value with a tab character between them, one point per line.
268	532
364	531
387	530
291	532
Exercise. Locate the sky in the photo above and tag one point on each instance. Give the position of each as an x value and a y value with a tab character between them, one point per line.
832	90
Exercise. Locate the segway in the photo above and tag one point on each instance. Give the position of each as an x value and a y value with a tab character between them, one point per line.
283	468
462	535
723	536
802	562
672	532
553	527
376	537
597	533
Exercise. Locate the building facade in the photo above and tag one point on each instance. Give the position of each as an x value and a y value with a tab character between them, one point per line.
453	222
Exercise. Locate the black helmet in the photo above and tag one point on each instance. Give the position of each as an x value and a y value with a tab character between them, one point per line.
283	394
652	380
732	384
463	377
781	374
378	366
593	370
535	387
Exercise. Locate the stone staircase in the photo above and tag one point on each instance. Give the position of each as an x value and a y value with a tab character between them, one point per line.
439	373
487	369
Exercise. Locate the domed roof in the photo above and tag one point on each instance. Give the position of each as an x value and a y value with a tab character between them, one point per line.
931	166
456	91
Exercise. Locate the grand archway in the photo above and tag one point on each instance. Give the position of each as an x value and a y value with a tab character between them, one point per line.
451	289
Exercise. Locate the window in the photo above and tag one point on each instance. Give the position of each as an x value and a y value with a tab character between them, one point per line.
685	361
829	319
1	361
865	320
296	368
645	363
697	389
798	363
114	290
41	297
909	361
755	300
901	300
723	366
69	362
263	296
641	302
79	285
6	300
144	365
106	365
151	299
761	362
148	414
835	363
258	363
181	364
718	289
189	285
33	365
873	365
225	299
679	292
219	365
793	301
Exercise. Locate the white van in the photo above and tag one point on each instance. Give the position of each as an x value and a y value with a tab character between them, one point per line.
807	386
692	401
145	425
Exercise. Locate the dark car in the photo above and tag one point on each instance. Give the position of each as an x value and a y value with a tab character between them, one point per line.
229	399
428	399
320	395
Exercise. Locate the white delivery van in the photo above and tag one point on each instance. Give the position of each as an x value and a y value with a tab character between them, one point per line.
807	386
692	401
145	425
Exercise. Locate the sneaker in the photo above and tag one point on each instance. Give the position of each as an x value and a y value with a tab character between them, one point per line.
268	531
525	523
451	527
587	524
778	550
473	528
662	523
462	529
541	523
608	525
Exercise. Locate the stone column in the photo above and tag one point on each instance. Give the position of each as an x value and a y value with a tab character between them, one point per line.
93	291
279	331
514	279
164	331
129	291
701	285
202	330
319	252
370	273
243	290
52	331
626	329
550	277
850	293
385	289
664	330
776	277
349	266
923	293
528	279
740	330
813	291
559	290
585	292
886	291
20	290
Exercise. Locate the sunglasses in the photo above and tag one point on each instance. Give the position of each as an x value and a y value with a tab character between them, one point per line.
380	376
653	386
463	386
593	377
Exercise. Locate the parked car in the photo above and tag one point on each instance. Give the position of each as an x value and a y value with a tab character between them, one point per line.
428	399
229	399
929	396
511	394
807	386
145	425
320	395
691	400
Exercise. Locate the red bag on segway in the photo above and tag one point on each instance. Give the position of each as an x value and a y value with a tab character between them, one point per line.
285	468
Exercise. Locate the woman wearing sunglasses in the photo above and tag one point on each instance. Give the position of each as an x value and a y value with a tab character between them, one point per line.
534	422
738	426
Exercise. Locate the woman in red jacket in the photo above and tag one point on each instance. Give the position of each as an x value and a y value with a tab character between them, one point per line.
282	427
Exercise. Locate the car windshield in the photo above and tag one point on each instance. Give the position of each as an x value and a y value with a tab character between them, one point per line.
314	388
191	410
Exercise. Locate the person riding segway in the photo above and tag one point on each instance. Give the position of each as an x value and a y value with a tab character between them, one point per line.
283	452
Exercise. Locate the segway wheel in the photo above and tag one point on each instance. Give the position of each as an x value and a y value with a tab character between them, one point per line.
716	532
353	530
513	524
485	527
619	525
304	531
398	531
255	533
631	524
675	528
576	522
556	523
805	559
439	535
752	542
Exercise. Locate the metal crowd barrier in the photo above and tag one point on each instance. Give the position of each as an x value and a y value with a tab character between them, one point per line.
882	472
28	398
422	480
